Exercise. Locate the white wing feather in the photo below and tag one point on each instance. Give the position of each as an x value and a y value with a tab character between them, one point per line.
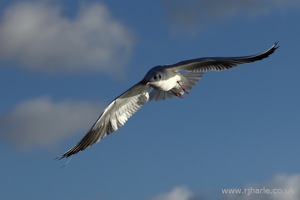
114	115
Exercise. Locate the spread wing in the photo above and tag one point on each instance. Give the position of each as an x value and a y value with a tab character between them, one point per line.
113	116
219	63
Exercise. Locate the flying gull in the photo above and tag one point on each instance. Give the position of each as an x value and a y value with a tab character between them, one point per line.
160	83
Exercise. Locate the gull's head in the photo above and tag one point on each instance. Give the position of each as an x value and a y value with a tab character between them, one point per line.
154	75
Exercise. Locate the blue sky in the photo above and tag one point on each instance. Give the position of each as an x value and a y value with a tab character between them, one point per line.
61	62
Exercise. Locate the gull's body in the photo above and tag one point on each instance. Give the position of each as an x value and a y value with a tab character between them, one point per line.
160	82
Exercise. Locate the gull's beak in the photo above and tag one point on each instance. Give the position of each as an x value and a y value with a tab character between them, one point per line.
145	81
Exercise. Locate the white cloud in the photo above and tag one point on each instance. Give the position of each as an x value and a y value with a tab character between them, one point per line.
194	14
178	193
39	36
42	122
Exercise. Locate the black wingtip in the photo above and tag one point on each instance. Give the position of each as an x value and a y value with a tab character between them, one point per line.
65	155
271	50
61	157
275	45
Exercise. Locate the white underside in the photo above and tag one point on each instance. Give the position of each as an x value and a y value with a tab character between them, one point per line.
166	85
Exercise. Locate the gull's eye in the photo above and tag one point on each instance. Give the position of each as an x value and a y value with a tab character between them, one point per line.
157	77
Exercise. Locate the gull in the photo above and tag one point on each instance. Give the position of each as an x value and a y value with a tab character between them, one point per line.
160	83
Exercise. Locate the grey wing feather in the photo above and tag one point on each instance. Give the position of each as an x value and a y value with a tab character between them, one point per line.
115	115
219	63
158	95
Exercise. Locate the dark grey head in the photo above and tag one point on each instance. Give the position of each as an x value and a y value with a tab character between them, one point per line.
155	74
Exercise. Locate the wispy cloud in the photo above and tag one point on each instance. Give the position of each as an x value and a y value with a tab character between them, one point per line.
195	14
42	122
37	35
178	193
